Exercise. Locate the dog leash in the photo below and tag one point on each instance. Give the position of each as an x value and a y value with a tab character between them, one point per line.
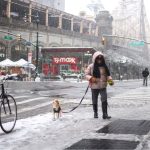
79	102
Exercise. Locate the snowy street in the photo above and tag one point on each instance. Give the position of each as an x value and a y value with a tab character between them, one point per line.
74	75
42	133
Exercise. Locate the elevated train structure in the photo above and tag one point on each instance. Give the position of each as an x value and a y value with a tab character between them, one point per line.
55	28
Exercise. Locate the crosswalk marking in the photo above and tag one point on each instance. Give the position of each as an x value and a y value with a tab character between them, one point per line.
37	106
143	98
141	94
132	97
23	96
30	100
128	97
34	107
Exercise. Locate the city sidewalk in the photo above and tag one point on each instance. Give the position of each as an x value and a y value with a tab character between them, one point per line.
42	133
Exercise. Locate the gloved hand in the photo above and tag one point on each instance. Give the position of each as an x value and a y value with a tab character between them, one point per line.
110	82
93	80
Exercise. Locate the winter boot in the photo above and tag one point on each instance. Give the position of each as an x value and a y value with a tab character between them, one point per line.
104	110
95	110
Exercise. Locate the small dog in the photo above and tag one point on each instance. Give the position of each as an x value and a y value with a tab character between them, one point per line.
56	109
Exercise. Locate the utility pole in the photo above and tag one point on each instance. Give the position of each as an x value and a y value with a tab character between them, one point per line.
37	44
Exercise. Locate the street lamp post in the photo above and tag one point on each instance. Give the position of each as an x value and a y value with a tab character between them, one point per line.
37	42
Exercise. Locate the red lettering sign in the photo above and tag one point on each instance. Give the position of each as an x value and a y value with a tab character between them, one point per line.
64	60
45	68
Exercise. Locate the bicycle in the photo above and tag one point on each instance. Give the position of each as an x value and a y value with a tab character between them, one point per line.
8	110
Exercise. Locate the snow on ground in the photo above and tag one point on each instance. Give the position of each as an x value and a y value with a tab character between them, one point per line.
42	133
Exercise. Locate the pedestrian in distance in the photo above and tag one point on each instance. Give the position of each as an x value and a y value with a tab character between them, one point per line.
145	74
121	77
98	76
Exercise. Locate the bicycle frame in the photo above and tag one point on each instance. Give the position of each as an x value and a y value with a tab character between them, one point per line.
3	96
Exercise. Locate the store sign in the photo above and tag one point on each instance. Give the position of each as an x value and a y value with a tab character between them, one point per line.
63	60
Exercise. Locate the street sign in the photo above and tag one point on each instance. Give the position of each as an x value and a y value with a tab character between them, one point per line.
8	37
137	44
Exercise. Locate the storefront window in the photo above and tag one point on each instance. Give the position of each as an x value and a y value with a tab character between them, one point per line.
2	52
64	68
3	5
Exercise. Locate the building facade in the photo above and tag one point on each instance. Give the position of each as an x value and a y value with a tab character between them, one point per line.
52	28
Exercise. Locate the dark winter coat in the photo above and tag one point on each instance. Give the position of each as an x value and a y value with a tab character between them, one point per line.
145	73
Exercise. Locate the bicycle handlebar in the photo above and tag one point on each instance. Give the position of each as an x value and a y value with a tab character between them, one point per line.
3	79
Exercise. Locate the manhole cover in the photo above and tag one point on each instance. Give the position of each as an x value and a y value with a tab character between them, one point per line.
103	144
139	127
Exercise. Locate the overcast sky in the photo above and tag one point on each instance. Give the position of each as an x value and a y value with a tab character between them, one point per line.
75	6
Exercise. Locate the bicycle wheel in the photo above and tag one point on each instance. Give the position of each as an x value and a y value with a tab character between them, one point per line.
8	114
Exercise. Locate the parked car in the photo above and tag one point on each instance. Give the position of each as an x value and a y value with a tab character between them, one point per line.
72	75
15	77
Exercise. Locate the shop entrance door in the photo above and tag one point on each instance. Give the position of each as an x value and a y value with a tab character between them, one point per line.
64	68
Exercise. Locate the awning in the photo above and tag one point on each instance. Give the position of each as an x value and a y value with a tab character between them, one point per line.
20	62
7	63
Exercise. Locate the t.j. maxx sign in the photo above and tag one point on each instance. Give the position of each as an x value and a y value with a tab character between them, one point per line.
63	60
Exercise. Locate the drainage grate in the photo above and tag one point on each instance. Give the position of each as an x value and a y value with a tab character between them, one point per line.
121	126
103	144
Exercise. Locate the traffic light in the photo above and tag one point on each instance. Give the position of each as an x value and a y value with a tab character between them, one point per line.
18	37
103	41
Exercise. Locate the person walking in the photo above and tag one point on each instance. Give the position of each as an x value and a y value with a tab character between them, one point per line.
145	74
98	75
